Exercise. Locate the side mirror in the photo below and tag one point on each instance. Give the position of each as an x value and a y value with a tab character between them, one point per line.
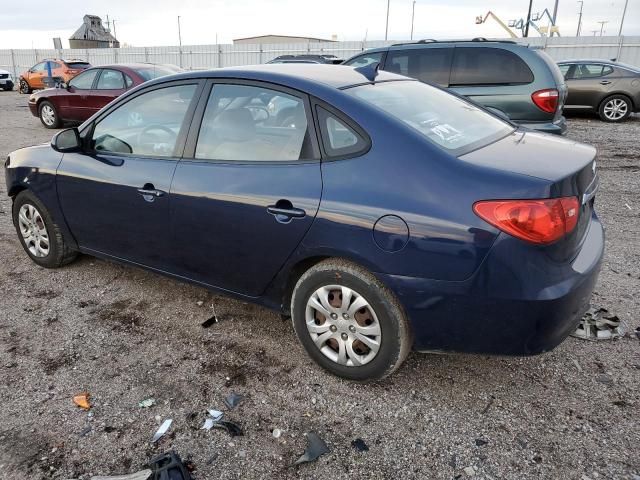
67	141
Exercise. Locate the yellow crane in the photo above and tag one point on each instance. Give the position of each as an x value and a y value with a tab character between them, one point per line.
480	20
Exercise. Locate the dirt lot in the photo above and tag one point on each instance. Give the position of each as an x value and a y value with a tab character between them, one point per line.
125	335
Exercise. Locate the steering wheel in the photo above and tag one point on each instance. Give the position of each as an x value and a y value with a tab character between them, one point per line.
146	130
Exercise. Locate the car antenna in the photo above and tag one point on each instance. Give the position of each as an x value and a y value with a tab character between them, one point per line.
369	71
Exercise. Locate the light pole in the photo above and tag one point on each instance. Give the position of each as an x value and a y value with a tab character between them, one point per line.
526	27
602	26
624	12
579	18
386	29
413	14
179	34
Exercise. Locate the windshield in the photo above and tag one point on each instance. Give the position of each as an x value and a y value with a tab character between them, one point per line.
445	119
155	71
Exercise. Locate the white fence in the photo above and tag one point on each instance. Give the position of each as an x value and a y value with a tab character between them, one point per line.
201	57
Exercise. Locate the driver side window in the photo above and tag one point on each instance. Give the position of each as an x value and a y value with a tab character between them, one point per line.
149	124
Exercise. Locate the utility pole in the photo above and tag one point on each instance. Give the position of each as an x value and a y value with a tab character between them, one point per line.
114	28
413	14
555	15
579	18
526	27
179	34
624	12
602	26
386	30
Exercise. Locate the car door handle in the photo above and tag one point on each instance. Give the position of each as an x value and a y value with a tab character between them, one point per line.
284	210
149	193
605	82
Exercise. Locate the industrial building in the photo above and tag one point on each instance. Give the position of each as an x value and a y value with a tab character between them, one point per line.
92	34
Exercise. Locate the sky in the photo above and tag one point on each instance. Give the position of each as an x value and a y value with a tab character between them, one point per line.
34	23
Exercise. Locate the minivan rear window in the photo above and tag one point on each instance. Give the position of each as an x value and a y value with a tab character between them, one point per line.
488	66
445	119
78	64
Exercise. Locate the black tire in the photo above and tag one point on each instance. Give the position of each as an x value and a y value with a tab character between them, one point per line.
59	253
395	341
24	87
607	115
46	106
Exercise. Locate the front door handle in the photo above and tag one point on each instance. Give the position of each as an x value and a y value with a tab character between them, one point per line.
284	211
605	82
150	193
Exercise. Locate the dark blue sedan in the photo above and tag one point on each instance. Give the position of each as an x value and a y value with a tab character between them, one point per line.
381	213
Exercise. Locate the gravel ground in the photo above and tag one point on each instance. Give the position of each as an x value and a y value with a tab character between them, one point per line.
125	335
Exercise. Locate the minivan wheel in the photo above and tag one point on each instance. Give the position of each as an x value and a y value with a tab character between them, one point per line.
349	322
24	86
48	115
39	235
615	108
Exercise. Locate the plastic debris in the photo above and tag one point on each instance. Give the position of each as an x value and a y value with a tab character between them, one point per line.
141	475
233	429
481	442
199	303
276	432
638	333
216	415
315	448
149	402
233	400
599	324
169	466
82	400
162	430
208	424
209	321
360	445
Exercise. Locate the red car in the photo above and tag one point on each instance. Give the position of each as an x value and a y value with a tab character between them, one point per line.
91	90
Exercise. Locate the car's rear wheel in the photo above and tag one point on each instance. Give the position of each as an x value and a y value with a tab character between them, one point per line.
615	108
48	115
24	86
39	235
349	322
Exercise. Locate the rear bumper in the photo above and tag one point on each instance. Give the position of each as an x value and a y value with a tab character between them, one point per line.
520	302
557	127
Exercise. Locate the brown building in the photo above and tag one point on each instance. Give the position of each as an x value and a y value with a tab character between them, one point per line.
280	39
92	34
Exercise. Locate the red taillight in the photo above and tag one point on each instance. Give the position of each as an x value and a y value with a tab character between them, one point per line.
536	221
546	100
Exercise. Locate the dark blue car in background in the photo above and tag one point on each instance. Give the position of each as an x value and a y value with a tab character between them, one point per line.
382	213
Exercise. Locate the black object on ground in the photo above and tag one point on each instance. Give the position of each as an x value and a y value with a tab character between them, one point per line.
315	448
169	466
360	445
210	321
233	429
480	442
233	400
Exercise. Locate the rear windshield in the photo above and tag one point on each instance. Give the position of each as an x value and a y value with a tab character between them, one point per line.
154	71
448	121
78	64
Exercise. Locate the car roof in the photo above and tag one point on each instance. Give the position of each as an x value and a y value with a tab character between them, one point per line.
291	74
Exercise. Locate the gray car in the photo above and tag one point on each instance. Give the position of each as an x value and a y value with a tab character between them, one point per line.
610	89
519	82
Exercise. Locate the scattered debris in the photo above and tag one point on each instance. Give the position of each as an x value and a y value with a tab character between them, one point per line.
109	429
360	445
216	415
149	402
481	442
233	429
210	321
233	400
162	430
603	378
575	362
85	431
141	475
469	471
82	401
169	466
208	424
315	448
276	432
486	409
638	332
199	303
599	324
620	403
628	206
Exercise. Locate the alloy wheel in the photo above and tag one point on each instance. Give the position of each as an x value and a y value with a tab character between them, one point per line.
48	115
615	109
33	230
343	325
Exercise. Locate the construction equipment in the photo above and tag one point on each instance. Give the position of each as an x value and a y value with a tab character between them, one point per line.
480	20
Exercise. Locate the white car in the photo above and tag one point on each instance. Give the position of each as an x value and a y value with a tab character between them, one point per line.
6	80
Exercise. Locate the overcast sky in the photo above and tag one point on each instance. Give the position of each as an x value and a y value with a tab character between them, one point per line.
33	23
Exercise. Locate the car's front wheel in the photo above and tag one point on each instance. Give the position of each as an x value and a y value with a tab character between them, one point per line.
39	235
615	108
48	115
349	322
24	86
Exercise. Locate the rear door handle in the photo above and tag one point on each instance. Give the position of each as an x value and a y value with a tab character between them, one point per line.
284	211
605	82
150	193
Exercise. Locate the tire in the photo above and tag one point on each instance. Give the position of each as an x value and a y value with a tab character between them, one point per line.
24	87
48	115
615	108
58	252
382	314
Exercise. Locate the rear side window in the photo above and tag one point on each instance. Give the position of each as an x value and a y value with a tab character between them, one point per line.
338	138
586	70
364	60
488	66
564	69
426	64
110	80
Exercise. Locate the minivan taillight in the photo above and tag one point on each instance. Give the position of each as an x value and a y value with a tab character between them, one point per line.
546	100
537	221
